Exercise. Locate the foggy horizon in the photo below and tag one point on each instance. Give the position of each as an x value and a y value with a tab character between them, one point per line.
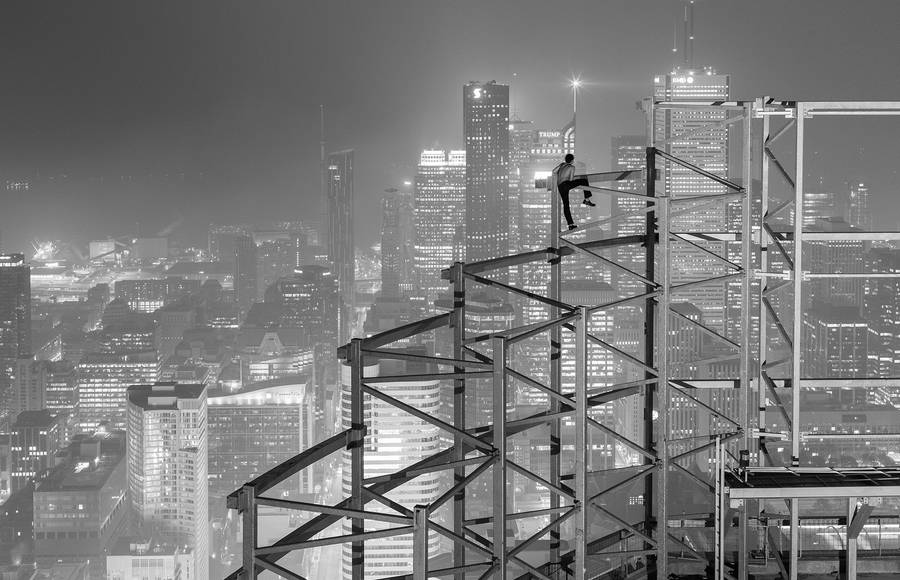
233	93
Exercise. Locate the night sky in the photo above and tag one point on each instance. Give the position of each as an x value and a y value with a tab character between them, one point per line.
228	94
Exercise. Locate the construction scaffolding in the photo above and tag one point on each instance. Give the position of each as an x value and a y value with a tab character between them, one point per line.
617	521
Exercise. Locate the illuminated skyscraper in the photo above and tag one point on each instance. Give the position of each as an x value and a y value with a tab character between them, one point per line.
167	466
391	245
101	382
245	272
340	221
15	319
486	134
397	440
708	150
440	210
858	211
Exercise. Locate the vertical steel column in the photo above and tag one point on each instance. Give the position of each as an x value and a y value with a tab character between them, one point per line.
248	521
662	385
851	542
581	442
795	540
719	517
797	353
798	293
649	326
746	400
458	326
555	368
357	465
763	351
420	542
499	353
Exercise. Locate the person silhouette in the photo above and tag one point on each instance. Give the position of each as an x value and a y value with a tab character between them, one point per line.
565	182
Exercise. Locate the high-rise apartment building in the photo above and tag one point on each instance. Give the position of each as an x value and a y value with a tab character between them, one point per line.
167	466
440	218
486	135
340	221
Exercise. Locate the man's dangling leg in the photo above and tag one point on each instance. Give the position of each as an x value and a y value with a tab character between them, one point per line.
564	188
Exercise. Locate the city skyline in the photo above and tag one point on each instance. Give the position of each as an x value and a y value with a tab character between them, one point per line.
252	128
281	273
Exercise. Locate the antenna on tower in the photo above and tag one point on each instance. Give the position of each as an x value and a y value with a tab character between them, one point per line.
690	33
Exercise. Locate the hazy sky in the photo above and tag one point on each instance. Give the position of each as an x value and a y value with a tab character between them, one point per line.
231	90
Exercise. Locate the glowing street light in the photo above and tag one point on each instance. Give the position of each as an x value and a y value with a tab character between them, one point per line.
575	83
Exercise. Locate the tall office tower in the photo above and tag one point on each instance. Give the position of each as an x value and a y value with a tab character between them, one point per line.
548	148
340	222
245	272
707	150
60	393
34	439
859	213
80	509
629	153
440	216
838	343
485	313
167	466
818	205
601	364
881	309
309	300
15	320
486	134
29	386
257	427
221	242
277	258
838	256
101	382
521	142
407	228
395	440
391	246
172	321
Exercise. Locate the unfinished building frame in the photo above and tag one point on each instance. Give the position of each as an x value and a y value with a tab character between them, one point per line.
583	533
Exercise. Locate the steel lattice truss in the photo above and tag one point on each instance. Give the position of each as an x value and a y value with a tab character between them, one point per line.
761	269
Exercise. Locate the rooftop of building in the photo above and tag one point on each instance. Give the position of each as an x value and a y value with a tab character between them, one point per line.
86	463
259	390
195	268
42	418
113	358
163	396
138	546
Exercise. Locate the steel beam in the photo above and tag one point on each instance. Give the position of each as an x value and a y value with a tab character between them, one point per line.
499	477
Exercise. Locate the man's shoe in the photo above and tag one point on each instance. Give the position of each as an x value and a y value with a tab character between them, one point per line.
572	227
589	203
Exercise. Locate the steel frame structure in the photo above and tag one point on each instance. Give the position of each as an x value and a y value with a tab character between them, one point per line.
650	544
